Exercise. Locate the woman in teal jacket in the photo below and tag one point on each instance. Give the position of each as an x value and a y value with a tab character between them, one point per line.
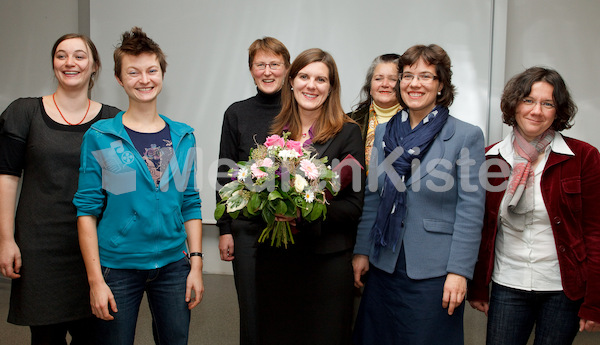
137	205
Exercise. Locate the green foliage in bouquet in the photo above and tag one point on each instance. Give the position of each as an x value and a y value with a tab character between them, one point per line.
281	178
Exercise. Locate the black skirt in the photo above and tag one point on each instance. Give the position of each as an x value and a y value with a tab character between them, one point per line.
304	298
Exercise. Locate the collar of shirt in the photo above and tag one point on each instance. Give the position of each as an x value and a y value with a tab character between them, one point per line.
505	147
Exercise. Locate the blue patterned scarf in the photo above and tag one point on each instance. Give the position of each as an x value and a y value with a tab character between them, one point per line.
414	144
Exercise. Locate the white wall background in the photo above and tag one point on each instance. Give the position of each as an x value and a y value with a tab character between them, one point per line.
564	35
206	45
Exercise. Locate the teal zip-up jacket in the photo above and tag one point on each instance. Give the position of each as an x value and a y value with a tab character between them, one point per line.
140	226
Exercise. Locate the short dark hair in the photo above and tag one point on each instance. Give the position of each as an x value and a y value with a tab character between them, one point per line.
436	56
93	50
136	42
269	45
519	87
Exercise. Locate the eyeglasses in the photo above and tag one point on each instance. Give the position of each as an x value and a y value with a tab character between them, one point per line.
262	66
423	77
528	102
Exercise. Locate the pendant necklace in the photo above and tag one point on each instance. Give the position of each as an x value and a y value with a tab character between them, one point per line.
63	117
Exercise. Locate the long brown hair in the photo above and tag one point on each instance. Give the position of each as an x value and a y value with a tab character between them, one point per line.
332	117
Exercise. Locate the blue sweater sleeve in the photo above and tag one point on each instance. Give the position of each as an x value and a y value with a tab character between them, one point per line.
90	198
191	208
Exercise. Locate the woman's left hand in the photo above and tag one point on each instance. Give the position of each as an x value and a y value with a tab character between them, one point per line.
455	289
588	325
196	284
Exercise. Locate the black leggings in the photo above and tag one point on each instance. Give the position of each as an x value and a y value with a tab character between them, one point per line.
82	333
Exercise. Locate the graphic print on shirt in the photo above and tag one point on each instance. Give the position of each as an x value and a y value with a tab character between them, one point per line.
157	159
156	150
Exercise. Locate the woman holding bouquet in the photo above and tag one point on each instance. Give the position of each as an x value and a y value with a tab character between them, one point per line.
305	292
421	227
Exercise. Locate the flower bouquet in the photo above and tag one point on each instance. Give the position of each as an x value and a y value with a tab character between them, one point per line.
280	178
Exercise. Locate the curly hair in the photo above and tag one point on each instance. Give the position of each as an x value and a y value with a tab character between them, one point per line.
519	87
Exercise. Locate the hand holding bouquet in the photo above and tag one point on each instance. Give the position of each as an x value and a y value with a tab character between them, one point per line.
280	178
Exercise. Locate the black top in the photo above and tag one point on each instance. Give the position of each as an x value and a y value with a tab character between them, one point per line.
53	287
245	124
361	116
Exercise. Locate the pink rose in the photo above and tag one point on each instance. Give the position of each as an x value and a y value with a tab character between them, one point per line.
294	145
274	140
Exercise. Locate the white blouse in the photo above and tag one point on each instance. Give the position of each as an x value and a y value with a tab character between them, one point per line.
527	259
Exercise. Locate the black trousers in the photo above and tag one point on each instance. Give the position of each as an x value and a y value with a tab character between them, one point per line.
245	240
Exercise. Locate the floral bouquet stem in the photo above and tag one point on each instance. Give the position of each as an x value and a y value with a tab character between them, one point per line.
280	232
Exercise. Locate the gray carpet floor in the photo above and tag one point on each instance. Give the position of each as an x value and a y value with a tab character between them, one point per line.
215	320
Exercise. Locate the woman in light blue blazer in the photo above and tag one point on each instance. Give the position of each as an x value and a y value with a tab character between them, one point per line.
421	224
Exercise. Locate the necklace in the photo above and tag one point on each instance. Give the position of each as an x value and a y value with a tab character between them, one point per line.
304	135
63	117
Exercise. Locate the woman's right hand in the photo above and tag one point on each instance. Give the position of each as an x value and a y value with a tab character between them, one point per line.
226	248
10	254
101	297
481	306
289	219
360	264
10	259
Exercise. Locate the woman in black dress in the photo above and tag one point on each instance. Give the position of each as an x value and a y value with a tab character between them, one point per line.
40	138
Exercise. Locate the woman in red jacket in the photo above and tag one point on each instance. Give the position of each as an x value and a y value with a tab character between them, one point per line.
540	245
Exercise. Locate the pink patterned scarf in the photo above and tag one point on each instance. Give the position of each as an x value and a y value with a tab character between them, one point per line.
518	203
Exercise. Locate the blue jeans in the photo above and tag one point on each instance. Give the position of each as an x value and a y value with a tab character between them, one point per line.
514	312
165	290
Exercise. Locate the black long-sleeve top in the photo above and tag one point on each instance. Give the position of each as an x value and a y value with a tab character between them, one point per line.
245	124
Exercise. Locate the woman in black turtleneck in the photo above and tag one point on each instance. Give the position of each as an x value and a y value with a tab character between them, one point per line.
246	123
